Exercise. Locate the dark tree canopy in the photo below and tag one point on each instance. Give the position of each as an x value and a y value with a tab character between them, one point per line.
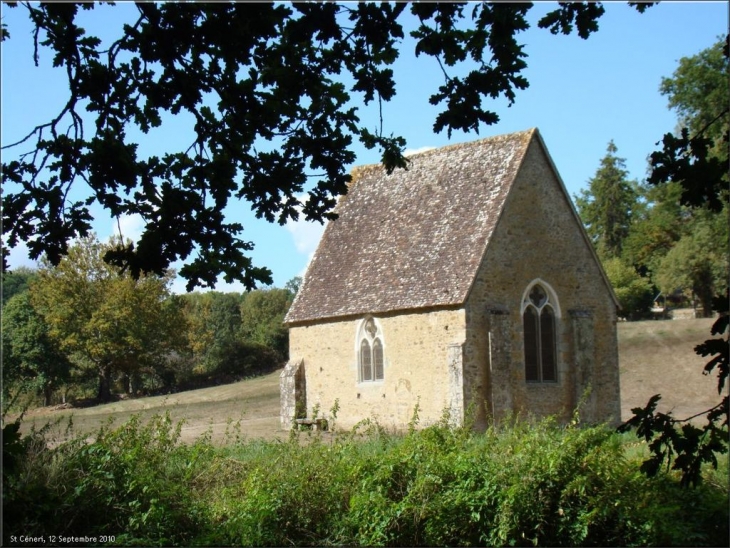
697	159
265	84
31	357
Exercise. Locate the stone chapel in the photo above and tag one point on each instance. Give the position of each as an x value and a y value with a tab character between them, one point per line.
465	282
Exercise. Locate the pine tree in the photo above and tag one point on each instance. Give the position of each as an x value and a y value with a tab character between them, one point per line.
607	206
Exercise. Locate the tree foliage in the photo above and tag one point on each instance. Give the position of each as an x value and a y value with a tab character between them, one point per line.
699	93
657	227
270	88
633	291
107	322
262	319
32	359
698	158
16	282
699	165
607	205
293	285
696	262
232	335
214	324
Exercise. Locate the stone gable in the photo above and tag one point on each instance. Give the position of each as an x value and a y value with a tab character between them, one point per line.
441	256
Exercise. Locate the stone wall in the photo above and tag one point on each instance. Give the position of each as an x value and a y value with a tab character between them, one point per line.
292	393
473	357
537	237
422	351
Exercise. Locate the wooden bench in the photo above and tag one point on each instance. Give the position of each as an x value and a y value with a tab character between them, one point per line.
314	424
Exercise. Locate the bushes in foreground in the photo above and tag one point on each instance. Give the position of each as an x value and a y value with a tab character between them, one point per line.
520	484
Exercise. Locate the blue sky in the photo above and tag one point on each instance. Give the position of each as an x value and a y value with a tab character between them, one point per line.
582	94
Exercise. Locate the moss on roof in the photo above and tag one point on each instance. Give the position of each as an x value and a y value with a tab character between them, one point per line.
412	239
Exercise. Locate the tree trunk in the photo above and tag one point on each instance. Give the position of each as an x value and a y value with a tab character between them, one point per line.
703	289
47	393
131	384
105	392
134	383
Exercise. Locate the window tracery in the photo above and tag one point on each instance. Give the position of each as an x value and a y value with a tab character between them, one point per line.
370	355
539	321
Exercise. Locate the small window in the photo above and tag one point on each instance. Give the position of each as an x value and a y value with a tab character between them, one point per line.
366	361
539	328
370	353
378	358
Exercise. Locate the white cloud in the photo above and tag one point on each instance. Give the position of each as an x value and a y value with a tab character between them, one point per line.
306	236
412	151
131	226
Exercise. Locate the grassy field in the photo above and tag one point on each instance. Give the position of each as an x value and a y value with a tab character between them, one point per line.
656	357
253	402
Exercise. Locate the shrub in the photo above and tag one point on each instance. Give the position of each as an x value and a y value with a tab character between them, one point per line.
519	484
128	483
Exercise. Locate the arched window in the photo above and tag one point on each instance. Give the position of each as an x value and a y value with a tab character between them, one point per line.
366	361
378	358
539	319
370	351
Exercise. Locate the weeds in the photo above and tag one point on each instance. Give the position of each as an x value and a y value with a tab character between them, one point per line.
517	484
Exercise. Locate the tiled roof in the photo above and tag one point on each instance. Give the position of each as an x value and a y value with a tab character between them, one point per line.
412	239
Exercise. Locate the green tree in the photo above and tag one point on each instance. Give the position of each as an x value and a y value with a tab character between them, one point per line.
214	329
657	227
698	163
32	359
106	320
293	285
15	282
249	74
262	319
697	159
699	93
695	262
633	291
607	205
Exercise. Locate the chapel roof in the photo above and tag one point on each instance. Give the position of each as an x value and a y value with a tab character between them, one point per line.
412	239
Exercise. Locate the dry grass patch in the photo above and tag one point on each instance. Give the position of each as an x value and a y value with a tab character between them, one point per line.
253	402
657	357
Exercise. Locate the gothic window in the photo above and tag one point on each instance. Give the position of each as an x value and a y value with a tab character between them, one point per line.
370	353
539	319
366	361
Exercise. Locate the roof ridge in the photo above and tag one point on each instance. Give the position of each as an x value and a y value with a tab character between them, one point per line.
362	168
394	233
